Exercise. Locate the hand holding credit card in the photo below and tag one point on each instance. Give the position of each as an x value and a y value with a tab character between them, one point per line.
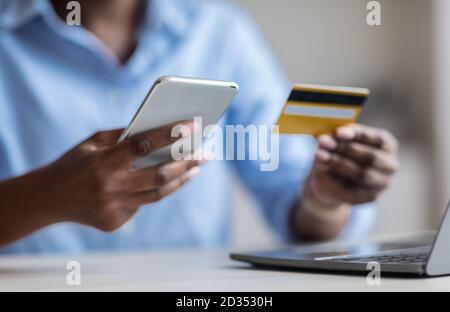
316	110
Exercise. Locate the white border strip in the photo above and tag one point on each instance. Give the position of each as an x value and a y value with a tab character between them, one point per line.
322	112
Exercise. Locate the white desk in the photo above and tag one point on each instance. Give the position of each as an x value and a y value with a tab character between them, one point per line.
183	271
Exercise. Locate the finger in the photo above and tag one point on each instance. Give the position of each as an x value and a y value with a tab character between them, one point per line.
148	142
150	179
322	156
378	138
327	142
346	192
160	193
352	173
360	195
368	156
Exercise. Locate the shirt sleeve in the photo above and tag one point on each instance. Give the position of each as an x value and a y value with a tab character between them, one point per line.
264	89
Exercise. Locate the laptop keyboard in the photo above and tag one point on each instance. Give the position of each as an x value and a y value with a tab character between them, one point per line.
386	258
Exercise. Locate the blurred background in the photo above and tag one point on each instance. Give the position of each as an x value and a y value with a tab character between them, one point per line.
406	64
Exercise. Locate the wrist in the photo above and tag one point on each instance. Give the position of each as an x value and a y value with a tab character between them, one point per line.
313	220
23	206
41	200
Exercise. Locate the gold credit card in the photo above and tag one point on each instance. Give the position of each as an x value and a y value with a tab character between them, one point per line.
316	110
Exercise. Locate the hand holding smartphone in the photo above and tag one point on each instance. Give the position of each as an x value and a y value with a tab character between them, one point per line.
173	99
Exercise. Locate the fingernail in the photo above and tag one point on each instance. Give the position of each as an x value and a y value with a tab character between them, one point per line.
207	156
191	124
327	142
322	155
345	133
201	162
193	172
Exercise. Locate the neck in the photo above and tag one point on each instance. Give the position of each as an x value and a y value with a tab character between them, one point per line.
124	12
114	22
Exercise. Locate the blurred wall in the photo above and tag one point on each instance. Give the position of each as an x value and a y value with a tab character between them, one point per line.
329	42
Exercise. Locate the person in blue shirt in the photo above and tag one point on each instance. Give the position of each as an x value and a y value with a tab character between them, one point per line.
67	91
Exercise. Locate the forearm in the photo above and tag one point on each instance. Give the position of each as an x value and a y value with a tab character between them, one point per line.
24	206
314	220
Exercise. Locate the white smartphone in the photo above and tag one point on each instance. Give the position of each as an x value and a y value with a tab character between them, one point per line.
173	99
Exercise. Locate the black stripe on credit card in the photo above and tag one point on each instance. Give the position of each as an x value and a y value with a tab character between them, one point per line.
321	98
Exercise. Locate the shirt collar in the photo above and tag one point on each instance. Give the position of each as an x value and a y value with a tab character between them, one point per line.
15	13
172	15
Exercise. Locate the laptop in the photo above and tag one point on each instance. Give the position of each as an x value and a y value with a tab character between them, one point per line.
422	255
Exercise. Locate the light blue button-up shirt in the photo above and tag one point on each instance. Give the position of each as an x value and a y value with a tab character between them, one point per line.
59	84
